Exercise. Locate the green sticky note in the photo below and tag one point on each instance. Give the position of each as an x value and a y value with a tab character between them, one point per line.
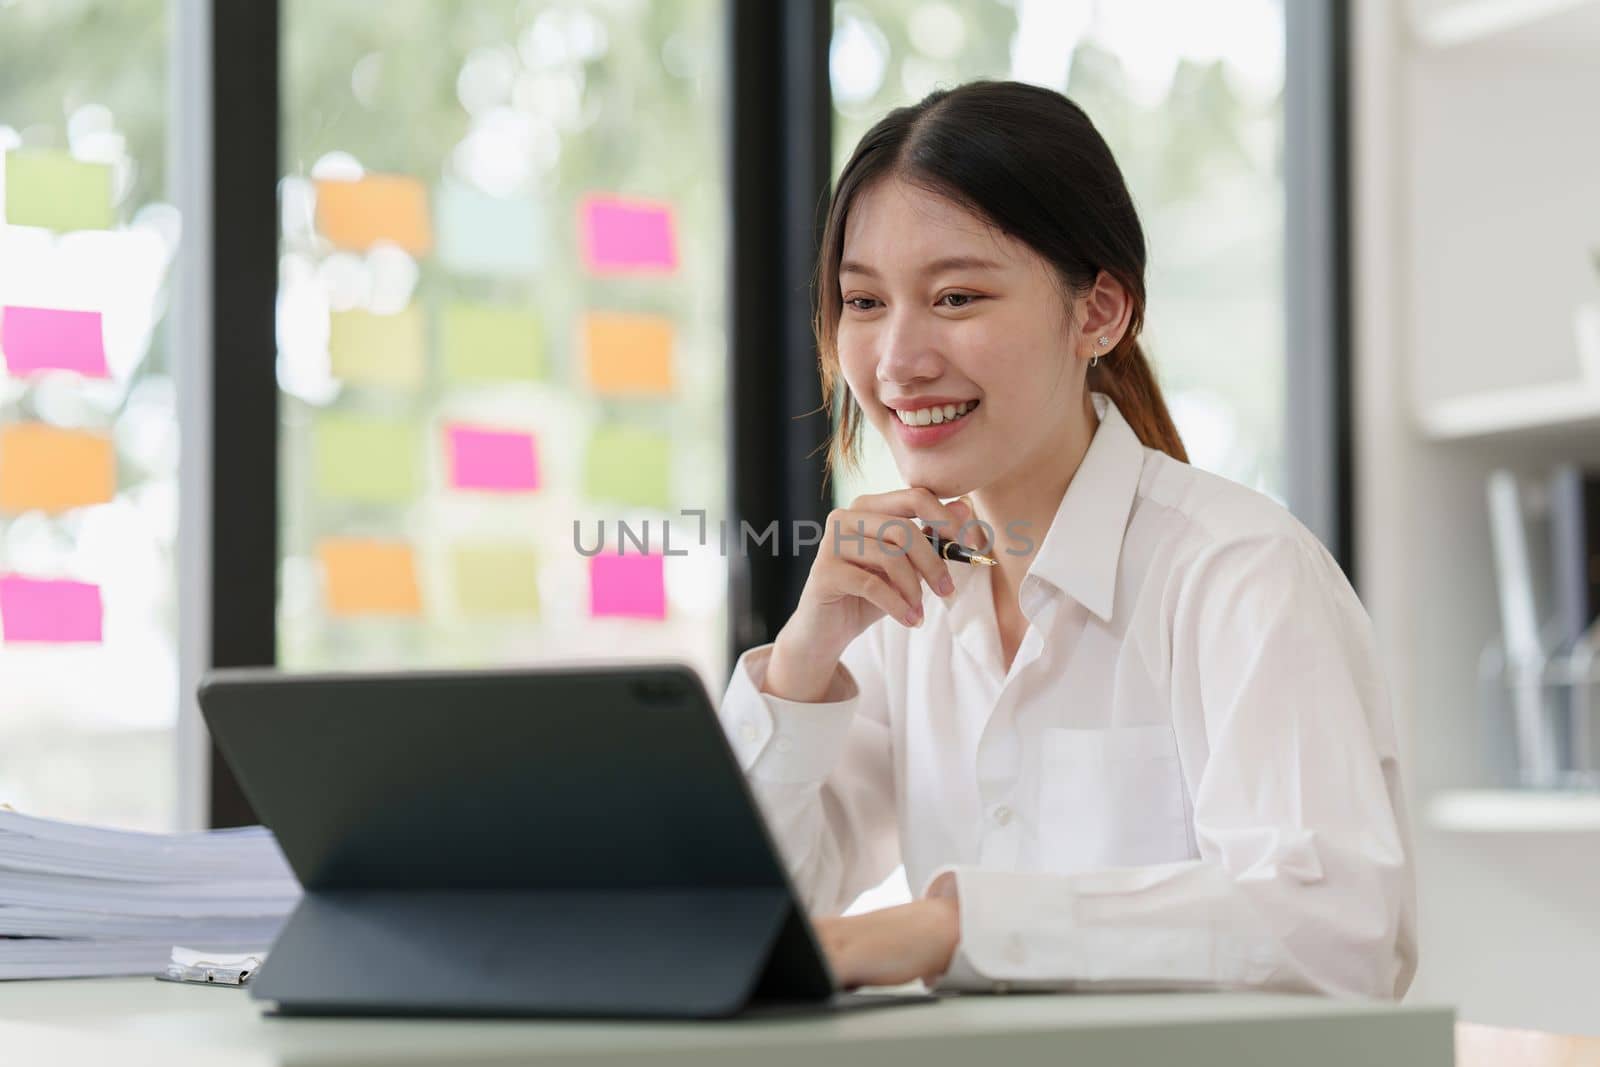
53	190
496	580
387	351
489	343
628	465
366	459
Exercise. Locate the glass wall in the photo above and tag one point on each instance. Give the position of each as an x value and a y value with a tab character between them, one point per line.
88	424
501	333
1190	98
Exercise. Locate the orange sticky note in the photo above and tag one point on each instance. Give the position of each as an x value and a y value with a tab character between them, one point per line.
369	577
379	207
53	469
628	353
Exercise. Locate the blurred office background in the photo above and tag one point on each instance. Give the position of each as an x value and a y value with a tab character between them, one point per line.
435	164
326	321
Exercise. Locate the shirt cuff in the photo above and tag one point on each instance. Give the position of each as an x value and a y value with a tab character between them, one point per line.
1023	931
960	976
786	741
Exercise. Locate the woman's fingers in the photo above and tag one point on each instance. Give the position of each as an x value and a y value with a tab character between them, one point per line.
873	561
872	587
915	503
899	572
832	938
876	550
954	521
910	542
891	945
858	546
865	536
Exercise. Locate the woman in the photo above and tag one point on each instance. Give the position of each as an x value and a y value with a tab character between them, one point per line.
1152	746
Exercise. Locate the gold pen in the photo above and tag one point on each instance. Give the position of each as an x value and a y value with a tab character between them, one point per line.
957	552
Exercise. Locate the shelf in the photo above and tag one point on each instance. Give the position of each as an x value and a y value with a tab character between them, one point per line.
1556	407
1512	811
1452	23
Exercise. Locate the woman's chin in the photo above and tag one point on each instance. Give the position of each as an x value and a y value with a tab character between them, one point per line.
945	473
937	478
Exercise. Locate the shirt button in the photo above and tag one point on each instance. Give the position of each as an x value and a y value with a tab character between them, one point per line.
783	744
748	731
1002	815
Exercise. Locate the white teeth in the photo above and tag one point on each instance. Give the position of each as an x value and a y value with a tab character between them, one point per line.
933	416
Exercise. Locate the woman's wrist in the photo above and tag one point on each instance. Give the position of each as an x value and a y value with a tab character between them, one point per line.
798	671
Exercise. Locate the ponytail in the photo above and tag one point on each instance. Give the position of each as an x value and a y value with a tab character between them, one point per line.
1125	376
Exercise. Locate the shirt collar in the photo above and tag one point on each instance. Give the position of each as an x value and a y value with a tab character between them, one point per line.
1081	549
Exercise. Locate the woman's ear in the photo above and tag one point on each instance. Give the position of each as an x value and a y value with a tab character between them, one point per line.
1103	311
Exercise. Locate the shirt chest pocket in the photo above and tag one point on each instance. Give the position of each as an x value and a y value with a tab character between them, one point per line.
1111	798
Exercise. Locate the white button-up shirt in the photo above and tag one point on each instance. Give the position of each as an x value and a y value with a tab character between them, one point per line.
1187	776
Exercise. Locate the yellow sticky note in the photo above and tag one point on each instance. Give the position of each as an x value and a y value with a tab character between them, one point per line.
628	353
489	343
628	465
53	469
53	190
378	207
369	577
498	580
372	460
388	351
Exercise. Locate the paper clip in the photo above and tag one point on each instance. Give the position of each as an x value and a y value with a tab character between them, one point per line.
233	972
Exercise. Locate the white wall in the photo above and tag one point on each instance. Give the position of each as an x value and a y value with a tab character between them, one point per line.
1477	191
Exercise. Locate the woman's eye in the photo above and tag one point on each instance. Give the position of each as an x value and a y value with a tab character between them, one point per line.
860	303
964	299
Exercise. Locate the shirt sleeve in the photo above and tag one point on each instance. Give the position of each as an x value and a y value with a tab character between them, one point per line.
822	773
1304	879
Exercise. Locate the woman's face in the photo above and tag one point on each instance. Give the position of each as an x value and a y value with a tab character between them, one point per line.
943	312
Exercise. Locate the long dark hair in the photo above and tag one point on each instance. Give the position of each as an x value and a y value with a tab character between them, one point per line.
1029	161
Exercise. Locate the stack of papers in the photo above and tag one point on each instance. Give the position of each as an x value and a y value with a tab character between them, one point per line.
81	901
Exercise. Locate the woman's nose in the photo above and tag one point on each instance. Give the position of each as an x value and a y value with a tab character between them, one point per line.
910	352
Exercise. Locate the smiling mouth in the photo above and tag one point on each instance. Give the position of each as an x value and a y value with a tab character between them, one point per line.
935	415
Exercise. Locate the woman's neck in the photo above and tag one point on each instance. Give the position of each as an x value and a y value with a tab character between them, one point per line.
1027	500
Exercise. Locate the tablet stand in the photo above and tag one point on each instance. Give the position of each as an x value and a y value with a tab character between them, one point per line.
690	953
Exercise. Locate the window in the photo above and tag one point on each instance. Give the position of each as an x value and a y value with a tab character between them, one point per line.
88	415
501	331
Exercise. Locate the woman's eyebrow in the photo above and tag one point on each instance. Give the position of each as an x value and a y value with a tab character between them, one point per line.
938	266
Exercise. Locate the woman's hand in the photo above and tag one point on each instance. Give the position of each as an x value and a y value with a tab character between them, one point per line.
894	945
873	561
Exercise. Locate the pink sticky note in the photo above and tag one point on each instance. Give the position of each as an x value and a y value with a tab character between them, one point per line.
40	339
503	460
32	609
627	236
627	587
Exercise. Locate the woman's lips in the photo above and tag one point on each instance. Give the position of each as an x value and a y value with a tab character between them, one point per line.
933	433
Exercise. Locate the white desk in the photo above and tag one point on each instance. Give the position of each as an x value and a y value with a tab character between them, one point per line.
126	1022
